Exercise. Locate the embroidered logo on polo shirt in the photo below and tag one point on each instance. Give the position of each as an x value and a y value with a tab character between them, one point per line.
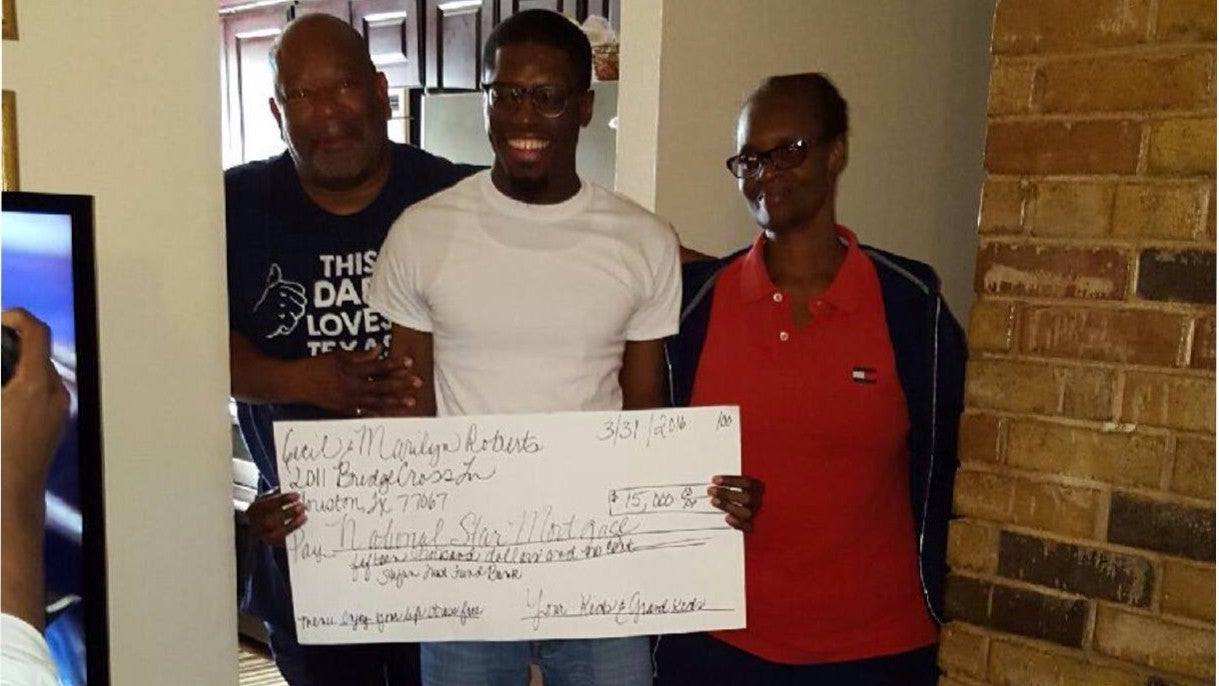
863	374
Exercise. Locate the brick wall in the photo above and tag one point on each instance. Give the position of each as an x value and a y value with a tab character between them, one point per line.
1085	548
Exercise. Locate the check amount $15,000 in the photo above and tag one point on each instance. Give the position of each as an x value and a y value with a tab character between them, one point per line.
606	509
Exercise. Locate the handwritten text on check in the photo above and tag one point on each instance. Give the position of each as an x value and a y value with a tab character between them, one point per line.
565	525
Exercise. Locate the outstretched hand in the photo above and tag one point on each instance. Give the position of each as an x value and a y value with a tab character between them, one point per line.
740	497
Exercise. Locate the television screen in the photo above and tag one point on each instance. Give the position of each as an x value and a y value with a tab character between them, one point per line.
46	266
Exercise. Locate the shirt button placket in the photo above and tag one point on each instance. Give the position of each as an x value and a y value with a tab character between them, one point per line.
777	296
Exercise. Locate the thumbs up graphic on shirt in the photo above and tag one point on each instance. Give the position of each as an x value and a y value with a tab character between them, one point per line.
281	305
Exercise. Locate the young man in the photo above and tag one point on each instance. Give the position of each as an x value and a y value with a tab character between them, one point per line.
303	233
524	289
850	396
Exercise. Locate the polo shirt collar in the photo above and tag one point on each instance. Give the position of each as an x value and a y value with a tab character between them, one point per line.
844	292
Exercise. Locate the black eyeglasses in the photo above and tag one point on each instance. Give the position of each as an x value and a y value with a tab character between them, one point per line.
550	100
749	165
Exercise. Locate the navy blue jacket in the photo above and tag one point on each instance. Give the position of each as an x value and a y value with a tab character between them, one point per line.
928	345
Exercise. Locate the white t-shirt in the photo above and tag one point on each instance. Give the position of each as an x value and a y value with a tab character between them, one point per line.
529	306
24	660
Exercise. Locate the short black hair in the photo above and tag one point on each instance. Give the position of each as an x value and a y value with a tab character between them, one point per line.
816	88
544	27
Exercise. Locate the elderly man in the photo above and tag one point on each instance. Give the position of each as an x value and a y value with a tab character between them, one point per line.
303	233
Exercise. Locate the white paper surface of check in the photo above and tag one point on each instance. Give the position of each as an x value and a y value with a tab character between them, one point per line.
563	525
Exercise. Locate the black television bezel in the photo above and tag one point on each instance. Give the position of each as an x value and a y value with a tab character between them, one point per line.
89	424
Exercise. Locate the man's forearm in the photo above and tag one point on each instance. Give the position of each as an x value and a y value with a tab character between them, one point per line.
259	378
21	576
646	394
645	401
644	377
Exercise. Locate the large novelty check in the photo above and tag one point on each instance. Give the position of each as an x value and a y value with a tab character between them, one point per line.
565	525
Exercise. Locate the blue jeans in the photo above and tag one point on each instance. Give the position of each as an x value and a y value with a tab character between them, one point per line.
570	662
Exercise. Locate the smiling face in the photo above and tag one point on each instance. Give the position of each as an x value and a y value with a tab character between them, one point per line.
331	106
535	155
783	199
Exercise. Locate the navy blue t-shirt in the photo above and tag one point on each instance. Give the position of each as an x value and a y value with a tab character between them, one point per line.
297	274
297	280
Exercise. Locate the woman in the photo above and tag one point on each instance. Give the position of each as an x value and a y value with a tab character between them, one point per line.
848	369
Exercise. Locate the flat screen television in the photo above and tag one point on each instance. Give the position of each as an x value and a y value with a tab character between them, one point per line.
47	267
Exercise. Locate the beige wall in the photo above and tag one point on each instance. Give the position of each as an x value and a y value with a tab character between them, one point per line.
118	99
639	71
914	75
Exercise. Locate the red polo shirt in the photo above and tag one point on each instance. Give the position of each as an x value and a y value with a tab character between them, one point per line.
831	567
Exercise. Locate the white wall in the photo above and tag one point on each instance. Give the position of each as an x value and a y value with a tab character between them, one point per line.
118	99
914	74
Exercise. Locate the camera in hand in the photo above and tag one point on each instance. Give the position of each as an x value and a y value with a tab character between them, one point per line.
11	351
